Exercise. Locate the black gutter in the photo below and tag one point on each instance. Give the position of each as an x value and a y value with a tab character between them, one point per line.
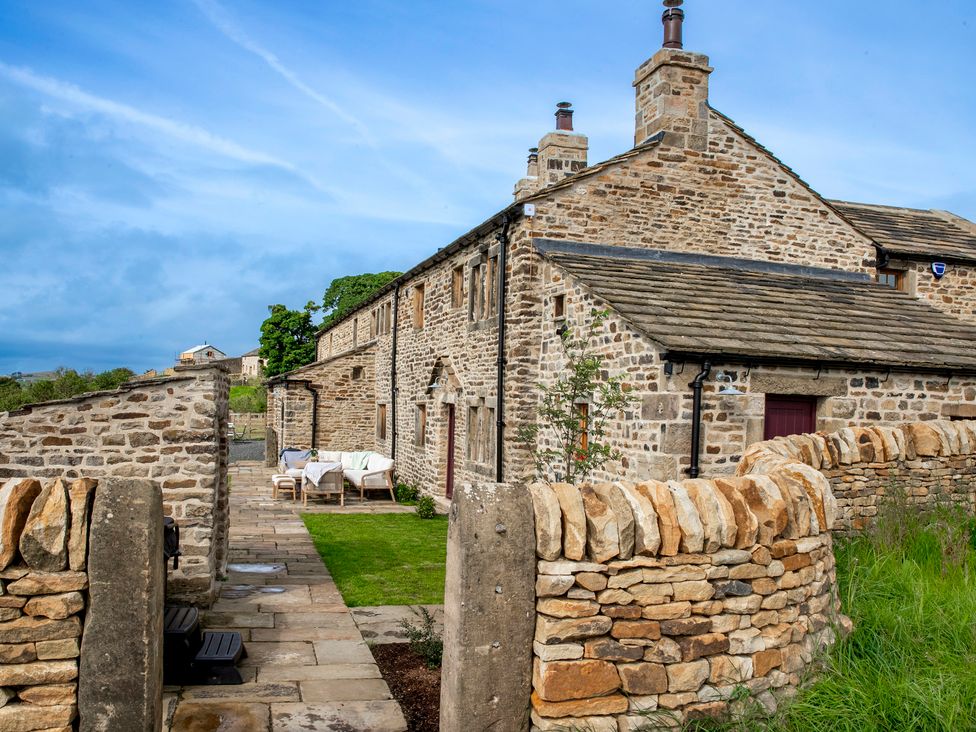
393	372
812	363
502	237
696	399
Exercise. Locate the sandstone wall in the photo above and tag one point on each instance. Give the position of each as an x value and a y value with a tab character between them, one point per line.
171	430
672	596
926	462
346	404
43	575
733	200
954	294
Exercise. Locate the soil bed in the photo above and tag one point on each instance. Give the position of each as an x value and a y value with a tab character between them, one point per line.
415	687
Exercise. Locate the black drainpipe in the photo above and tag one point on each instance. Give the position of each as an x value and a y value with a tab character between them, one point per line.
500	383
315	408
696	396
281	436
393	373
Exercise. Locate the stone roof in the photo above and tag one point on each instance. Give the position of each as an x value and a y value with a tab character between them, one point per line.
749	311
914	232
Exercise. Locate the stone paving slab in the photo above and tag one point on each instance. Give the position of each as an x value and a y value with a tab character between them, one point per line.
383	623
350	716
307	666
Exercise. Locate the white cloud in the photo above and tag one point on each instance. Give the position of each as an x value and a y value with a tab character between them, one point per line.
175	129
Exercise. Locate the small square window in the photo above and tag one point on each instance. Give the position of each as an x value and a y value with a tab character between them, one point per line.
893	278
559	306
357	373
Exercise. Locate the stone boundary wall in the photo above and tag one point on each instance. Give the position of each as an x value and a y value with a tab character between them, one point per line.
171	430
43	563
927	461
667	597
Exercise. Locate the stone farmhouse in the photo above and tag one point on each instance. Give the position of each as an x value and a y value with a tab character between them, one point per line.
744	305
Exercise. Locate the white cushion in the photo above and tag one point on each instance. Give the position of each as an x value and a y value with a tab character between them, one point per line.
346	459
378	462
330	457
354	476
294	472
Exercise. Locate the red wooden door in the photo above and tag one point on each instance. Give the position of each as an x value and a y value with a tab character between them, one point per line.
789	415
449	488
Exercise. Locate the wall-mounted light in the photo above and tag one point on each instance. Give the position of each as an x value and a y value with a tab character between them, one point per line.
729	389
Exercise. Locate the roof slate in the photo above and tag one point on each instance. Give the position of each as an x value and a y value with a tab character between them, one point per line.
696	308
913	232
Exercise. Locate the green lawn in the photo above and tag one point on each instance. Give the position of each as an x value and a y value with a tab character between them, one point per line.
383	559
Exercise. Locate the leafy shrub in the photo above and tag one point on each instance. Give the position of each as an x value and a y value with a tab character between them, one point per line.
406	493
66	383
253	399
424	639
425	507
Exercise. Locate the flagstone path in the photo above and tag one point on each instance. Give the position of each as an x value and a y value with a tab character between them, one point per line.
308	667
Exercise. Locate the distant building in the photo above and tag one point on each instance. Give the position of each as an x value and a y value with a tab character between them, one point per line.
252	365
34	377
201	354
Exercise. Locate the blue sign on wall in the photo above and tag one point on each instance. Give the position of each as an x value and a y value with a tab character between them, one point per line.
938	269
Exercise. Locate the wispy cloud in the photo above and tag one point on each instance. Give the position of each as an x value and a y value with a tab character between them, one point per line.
221	20
175	129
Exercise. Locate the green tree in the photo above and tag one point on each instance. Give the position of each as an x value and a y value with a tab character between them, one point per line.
66	383
287	338
563	424
345	294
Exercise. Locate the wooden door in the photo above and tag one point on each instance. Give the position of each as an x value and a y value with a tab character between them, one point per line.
789	415
449	488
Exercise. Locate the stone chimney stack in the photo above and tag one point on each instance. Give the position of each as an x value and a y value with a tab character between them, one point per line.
672	90
561	153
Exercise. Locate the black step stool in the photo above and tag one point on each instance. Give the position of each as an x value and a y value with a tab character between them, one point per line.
217	658
181	639
192	657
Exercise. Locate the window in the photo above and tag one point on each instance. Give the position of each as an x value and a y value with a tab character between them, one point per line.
420	425
355	331
357	373
380	421
457	287
893	278
559	307
483	296
418	306
379	320
481	433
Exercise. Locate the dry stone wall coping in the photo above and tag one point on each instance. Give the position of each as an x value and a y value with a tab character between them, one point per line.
929	461
668	596
43	599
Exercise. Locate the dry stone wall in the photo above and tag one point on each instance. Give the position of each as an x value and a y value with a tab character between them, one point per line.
669	597
170	430
43	598
923	462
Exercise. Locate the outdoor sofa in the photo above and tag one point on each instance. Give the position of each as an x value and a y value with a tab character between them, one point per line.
364	470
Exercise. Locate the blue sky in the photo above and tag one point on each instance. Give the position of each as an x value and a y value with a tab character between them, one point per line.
168	170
